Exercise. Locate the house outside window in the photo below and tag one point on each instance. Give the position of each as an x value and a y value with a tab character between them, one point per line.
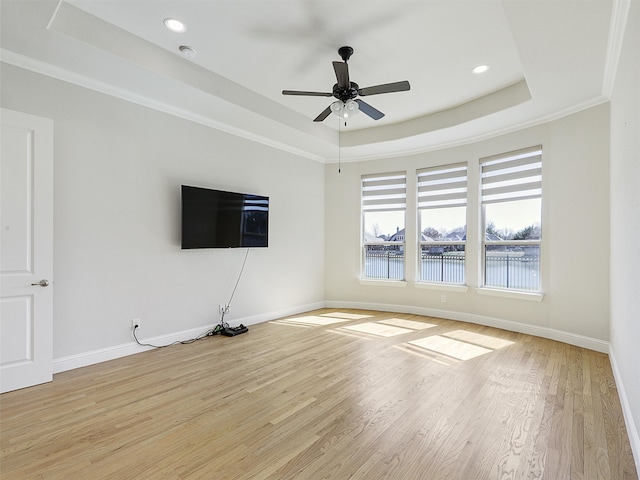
442	219
384	198
511	187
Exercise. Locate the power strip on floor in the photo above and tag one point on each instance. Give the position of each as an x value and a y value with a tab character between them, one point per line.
233	331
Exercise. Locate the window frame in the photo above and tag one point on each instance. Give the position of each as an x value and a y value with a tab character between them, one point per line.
431	182
530	182
371	201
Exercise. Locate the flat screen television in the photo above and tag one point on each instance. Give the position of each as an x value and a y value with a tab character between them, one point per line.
219	219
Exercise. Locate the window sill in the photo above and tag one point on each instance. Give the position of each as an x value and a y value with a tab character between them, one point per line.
383	283
493	292
445	287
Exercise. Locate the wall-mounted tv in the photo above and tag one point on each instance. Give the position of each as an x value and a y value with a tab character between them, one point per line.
219	219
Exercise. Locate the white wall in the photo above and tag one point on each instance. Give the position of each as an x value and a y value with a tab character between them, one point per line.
118	170
574	263
625	227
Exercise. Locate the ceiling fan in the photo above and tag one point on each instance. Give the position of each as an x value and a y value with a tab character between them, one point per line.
346	92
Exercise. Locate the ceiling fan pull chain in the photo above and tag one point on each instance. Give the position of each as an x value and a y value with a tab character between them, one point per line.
339	160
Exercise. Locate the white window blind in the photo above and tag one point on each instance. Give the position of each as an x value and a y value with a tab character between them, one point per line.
443	186
512	176
384	192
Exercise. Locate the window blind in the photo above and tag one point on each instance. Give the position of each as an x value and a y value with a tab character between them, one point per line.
384	192
443	186
512	176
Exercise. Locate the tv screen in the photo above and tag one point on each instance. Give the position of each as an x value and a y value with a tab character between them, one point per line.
218	219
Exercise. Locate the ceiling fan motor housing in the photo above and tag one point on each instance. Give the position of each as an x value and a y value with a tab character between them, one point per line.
345	94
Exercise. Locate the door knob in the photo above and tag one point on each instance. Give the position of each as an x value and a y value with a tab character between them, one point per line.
41	283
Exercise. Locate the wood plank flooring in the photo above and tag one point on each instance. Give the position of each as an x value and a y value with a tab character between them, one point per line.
330	394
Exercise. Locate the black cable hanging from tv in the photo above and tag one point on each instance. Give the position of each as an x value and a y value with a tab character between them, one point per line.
222	328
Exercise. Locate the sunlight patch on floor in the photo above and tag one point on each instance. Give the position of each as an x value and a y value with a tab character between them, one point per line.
377	329
346	316
487	341
403	323
450	347
310	321
427	354
353	334
291	324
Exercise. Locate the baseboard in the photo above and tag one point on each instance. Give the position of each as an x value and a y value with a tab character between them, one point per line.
632	429
110	353
265	317
92	357
102	355
576	339
543	332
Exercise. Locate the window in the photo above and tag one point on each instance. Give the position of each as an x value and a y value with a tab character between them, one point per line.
384	201
511	211
442	220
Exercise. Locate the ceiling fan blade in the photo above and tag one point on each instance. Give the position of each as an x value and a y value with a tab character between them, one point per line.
369	110
342	74
308	94
325	113
386	88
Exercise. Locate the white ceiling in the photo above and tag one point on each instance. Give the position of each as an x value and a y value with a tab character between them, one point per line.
547	58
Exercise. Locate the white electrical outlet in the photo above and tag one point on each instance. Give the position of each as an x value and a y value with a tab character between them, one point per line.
136	323
443	298
222	308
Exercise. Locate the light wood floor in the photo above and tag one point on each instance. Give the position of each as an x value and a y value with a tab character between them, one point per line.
332	394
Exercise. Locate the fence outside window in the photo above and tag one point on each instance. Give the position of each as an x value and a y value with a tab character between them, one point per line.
442	263
514	266
384	262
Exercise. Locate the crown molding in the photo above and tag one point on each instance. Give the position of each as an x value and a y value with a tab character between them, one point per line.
43	68
53	71
619	15
471	139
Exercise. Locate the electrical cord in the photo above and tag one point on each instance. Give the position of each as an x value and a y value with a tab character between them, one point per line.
209	333
222	325
237	281
217	330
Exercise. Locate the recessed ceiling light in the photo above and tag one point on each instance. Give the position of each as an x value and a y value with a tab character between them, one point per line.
481	69
174	25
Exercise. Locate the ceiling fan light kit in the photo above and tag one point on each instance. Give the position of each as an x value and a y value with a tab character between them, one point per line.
344	110
346	91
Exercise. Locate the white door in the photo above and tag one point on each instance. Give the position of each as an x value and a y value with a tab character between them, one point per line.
26	250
